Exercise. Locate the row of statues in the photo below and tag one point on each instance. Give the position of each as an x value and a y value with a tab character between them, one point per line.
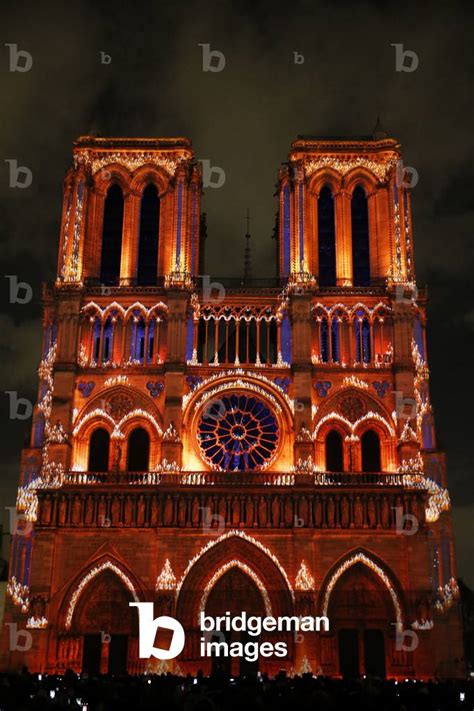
230	510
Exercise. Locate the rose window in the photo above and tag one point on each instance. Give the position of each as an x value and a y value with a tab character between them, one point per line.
237	433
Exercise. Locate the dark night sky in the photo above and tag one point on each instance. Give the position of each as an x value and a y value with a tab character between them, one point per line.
243	120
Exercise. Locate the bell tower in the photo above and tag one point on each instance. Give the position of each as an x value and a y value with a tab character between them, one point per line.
239	444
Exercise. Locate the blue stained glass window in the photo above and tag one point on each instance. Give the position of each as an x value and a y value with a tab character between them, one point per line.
335	340
363	349
427	433
38	433
151	341
107	340
238	432
138	341
47	340
324	341
27	564
189	337
326	238
96	338
286	345
418	336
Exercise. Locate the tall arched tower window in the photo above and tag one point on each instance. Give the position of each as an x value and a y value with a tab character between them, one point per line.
138	451
148	236
334	452
112	236
360	237
326	238
99	451
370	445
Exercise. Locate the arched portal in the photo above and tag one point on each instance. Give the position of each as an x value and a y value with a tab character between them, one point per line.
235	573
362	615
234	592
106	624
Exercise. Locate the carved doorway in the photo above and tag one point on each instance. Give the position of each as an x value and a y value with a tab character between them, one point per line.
235	592
361	611
105	620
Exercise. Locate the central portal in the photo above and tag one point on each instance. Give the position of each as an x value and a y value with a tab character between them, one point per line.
235	592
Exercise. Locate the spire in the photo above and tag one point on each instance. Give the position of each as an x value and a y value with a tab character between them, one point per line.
379	132
247	254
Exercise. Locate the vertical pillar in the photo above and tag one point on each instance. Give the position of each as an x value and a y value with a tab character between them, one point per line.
342	209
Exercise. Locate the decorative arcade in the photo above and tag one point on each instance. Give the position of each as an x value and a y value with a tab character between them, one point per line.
258	445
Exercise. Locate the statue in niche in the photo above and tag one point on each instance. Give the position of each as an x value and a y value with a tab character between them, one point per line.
344	512
46	510
195	511
330	512
235	511
371	513
358	513
38	607
102	511
222	510
182	511
89	511
154	511
127	514
276	511
303	511
317	512
288	509
422	606
249	506
168	516
62	511
141	511
115	510
385	513
76	511
262	511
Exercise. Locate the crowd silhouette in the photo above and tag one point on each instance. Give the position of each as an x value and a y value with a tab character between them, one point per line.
25	691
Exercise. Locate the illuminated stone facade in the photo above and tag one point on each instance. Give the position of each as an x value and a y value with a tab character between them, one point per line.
264	446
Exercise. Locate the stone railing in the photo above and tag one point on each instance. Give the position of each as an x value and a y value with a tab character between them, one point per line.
236	479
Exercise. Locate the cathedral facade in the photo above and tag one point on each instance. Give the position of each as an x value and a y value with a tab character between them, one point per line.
230	445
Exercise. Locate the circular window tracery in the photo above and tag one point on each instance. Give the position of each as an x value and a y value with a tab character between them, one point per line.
238	433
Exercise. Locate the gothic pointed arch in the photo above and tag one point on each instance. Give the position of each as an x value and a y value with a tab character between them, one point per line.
112	232
352	411
106	562
234	548
119	410
365	558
